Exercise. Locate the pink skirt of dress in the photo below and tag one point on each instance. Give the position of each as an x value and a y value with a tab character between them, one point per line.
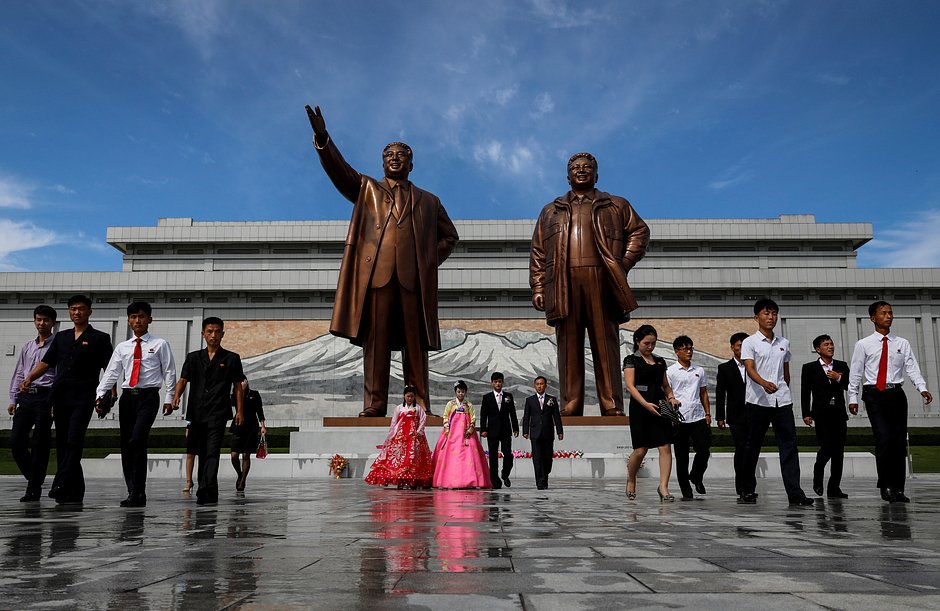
459	461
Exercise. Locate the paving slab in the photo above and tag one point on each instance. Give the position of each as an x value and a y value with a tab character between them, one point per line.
339	544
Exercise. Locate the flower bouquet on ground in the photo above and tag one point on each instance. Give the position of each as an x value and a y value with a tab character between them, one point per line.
338	464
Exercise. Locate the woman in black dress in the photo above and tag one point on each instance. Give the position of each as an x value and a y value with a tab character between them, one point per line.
245	437
645	377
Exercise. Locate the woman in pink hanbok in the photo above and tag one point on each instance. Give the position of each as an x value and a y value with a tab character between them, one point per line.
405	459
459	461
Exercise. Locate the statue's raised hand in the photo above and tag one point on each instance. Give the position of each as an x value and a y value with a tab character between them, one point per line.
317	122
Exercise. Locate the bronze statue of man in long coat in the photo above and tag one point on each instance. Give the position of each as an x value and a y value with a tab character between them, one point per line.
584	244
386	296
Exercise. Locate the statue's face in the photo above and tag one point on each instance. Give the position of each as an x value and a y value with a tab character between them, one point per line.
396	162
582	174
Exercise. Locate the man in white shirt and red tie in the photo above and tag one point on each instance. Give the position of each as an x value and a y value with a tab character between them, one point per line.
879	363
148	366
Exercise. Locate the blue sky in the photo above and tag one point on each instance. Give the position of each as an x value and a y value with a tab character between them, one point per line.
120	112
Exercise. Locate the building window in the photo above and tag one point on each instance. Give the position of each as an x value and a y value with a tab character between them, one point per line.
710	297
106	300
298	299
793	297
485	298
905	296
238	251
830	297
180	300
216	299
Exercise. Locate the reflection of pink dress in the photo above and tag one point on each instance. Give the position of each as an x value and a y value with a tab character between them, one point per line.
458	460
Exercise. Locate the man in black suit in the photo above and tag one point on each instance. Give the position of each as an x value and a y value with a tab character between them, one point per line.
540	414
729	391
498	423
824	382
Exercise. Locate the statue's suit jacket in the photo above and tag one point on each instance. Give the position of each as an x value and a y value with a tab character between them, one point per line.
621	237
435	238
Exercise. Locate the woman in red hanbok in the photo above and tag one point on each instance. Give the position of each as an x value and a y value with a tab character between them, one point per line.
459	461
405	459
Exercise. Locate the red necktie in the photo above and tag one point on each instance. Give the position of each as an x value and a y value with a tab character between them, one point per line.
135	372
882	381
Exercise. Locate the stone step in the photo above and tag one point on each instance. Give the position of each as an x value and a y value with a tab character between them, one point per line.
592	465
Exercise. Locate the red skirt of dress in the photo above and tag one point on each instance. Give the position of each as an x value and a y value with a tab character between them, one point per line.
405	461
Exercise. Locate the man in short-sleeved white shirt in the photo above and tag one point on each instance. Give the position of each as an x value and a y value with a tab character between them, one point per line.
689	386
768	401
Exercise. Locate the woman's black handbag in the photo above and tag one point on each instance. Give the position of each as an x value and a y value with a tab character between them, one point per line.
669	412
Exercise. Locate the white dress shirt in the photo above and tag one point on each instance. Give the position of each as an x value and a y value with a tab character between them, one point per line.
157	367
867	357
769	356
687	385
741	369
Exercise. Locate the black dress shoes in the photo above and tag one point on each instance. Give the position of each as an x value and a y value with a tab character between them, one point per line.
837	494
497	485
802	501
699	487
506	482
687	495
748	498
29	497
135	500
899	497
818	488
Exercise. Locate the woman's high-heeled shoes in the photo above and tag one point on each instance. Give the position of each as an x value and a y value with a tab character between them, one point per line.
665	498
631	494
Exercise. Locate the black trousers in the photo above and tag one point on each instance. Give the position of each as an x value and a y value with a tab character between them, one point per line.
33	413
208	438
830	434
887	412
542	450
699	436
71	419
495	444
760	418
739	438
136	413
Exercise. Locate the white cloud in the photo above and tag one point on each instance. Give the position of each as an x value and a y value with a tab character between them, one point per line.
835	80
517	159
62	189
506	94
199	20
731	176
912	243
543	105
21	236
15	193
559	15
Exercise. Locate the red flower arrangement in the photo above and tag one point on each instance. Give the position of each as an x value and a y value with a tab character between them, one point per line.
338	464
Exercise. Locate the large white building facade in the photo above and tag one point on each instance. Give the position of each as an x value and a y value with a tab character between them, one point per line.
273	283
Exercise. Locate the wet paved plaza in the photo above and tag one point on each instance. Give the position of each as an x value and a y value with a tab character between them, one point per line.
339	544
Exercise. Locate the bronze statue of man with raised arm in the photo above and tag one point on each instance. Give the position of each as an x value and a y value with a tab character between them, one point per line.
386	296
584	244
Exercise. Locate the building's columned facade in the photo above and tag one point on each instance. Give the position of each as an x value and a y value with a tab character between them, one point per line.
273	283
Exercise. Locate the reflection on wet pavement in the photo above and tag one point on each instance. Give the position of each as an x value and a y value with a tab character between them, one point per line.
339	544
